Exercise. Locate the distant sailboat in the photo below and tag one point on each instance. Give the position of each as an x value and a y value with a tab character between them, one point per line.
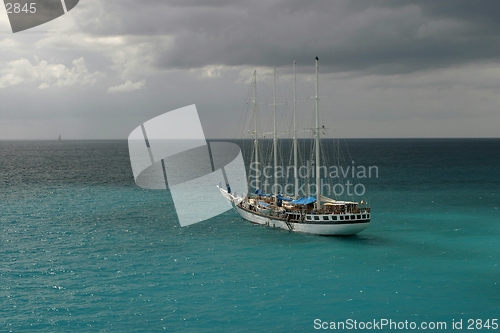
59	138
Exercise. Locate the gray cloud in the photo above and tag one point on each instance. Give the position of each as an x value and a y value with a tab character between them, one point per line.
127	87
383	37
46	75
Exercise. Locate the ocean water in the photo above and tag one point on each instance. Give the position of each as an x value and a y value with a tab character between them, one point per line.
83	249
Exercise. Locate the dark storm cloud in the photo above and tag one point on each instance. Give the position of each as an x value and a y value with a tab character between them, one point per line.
382	37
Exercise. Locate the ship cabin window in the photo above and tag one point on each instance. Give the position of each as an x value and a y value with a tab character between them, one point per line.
347	217
341	217
308	217
316	218
364	216
359	217
325	217
334	218
367	216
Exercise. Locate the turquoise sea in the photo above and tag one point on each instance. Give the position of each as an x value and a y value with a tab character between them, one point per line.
83	249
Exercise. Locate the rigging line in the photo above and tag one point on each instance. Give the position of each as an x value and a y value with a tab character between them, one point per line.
348	151
246	108
269	91
285	111
306	78
290	90
244	113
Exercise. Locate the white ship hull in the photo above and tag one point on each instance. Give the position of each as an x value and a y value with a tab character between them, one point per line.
331	228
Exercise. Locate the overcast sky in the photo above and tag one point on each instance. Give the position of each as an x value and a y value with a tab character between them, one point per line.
389	68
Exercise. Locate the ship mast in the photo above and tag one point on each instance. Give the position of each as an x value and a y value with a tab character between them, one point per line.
256	141
318	188
275	141
295	162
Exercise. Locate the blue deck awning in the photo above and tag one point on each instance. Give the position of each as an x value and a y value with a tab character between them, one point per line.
304	201
259	192
284	198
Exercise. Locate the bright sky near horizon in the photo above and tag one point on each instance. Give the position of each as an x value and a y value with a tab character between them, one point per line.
390	69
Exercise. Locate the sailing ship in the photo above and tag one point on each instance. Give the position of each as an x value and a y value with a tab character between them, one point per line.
318	215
